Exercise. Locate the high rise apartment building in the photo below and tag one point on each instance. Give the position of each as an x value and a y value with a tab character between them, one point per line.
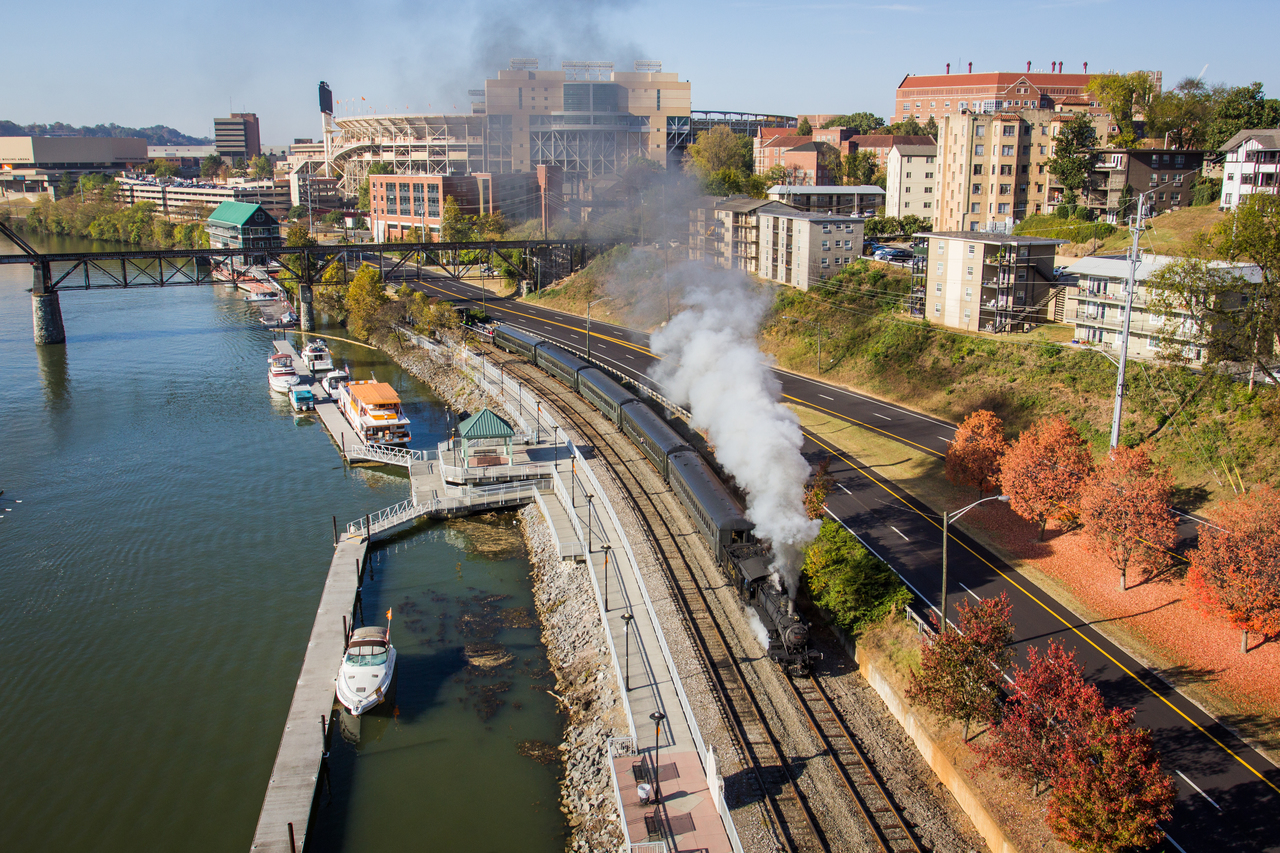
911	181
992	167
236	137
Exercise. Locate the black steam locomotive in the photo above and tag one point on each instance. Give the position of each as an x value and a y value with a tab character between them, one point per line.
786	632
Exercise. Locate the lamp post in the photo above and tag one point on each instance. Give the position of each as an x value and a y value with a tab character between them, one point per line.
627	619
819	328
589	497
657	717
589	304
947	518
607	551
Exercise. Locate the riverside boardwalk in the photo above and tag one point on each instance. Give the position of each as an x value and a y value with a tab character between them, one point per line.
286	808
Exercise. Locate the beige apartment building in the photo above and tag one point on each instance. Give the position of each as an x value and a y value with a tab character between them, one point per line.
775	241
982	282
992	167
911	188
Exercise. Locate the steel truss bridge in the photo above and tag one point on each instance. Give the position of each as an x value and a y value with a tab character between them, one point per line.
538	261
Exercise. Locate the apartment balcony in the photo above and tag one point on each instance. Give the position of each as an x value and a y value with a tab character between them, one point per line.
1083	292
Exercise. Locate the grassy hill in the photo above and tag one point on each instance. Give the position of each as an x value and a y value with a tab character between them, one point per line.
1172	233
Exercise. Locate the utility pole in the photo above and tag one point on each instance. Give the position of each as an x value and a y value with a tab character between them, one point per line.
1136	229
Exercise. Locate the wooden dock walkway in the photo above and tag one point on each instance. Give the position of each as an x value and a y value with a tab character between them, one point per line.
293	778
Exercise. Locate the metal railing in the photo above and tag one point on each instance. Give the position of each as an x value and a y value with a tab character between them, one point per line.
392	516
389	455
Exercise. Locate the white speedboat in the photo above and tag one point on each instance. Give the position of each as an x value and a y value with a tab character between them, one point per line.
367	668
315	356
280	373
333	380
262	296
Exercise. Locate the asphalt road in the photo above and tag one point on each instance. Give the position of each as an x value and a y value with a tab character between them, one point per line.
1228	794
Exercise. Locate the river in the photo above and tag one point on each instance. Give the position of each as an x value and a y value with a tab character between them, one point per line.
159	579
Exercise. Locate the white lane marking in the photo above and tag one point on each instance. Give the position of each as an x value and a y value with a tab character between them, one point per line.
572	335
632	357
947	440
1197	787
825	397
971	592
878	415
846	490
1170	839
899	532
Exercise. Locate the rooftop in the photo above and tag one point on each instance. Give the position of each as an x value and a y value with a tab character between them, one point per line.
240	212
1118	267
374	393
1267	137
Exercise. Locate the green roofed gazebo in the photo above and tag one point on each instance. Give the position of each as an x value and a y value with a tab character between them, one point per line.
484	424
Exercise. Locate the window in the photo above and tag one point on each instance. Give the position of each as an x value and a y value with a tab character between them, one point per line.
971	246
1009	130
1026	150
419	208
404	200
968	312
1174	196
1002	208
659	106
977	189
929	159
929	204
939	271
907	175
433	201
975	207
1161	196
1006	169
978	150
1179	160
826	245
977	168
947	105
1041	150
1006	150
826	229
968	271
1004	189
391	200
1226	199
964	105
1165	177
826	262
1040	169
937	308
928	176
1024	169
980	130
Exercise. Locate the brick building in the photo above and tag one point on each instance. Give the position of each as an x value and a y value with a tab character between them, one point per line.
400	203
935	95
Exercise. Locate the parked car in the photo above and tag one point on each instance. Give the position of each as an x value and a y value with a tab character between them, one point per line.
870	247
890	255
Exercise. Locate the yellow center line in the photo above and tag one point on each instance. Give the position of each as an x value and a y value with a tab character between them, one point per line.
861	470
851	420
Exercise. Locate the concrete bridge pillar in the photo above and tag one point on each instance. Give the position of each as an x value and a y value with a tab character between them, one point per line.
46	311
306	313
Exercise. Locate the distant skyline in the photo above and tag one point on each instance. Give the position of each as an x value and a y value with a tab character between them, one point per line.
139	63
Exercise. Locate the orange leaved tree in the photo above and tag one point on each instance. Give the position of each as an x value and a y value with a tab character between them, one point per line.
973	457
1124	508
1044	469
1236	570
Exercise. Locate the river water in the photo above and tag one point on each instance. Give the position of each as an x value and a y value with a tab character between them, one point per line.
159	579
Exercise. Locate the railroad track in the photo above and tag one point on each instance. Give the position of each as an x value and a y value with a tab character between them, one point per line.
864	786
796	826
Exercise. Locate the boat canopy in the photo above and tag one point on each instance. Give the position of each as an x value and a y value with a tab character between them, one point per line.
374	393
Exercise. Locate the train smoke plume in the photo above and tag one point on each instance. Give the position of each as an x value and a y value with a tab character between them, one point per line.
711	363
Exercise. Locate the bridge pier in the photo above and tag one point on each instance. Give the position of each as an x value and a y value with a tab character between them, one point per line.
306	312
46	310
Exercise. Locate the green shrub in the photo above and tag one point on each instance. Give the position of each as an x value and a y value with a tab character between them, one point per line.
847	581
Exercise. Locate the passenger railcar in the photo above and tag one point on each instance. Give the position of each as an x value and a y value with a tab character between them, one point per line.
516	341
652	435
603	393
560	363
715	512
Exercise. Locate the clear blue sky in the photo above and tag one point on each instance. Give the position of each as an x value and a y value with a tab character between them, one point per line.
141	62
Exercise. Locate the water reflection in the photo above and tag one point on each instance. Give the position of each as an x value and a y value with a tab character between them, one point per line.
54	376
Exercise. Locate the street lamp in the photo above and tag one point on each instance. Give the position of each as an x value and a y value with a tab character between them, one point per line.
608	549
589	497
657	717
627	619
589	304
947	518
819	327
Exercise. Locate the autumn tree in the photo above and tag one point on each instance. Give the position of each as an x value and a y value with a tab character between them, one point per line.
1110	793
1043	471
961	671
1043	717
1235	571
1125	96
815	493
973	456
365	295
721	148
1124	508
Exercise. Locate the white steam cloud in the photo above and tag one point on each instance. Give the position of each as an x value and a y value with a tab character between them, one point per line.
711	364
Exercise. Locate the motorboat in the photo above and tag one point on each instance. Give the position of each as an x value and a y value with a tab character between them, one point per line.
373	410
333	380
301	398
364	678
315	355
280	373
262	296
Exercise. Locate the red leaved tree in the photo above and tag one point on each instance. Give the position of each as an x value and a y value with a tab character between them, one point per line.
815	493
1044	469
1235	572
1050	707
1111	794
1124	508
961	671
973	456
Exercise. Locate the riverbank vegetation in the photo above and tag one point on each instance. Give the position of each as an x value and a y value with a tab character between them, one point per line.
93	211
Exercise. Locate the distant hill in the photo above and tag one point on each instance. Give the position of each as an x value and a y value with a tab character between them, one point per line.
155	135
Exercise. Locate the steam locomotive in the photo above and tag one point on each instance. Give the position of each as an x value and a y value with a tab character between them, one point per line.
719	518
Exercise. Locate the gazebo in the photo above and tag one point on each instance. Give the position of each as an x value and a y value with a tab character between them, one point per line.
485	425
